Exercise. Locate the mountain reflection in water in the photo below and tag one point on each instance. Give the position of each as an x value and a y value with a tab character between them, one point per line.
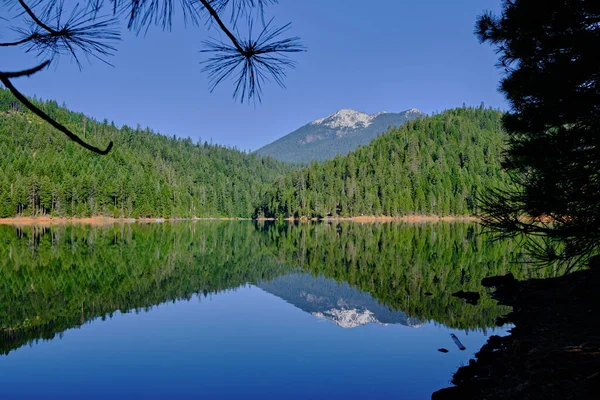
384	280
337	302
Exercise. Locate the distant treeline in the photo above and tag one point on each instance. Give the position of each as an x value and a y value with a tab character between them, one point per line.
145	175
434	165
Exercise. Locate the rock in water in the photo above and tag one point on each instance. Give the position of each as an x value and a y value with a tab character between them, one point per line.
495	281
457	342
469	297
594	263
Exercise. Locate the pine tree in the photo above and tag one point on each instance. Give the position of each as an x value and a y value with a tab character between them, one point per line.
549	50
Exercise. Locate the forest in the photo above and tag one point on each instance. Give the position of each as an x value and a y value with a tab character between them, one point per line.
146	175
435	165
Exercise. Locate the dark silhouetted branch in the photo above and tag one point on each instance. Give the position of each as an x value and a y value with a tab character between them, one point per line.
250	61
19	42
26	72
213	13
253	63
36	19
6	81
83	32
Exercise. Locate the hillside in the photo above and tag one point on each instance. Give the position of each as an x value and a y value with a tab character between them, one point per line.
337	134
145	175
434	165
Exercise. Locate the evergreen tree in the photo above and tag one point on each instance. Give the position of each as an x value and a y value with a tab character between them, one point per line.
549	50
148	175
430	166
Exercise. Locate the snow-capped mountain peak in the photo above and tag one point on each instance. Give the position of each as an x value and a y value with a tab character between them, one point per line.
345	118
348	318
336	134
352	119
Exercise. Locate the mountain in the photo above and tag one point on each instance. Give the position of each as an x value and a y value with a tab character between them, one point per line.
338	302
434	165
337	134
145	175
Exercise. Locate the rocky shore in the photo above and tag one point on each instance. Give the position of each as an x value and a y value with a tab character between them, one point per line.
553	351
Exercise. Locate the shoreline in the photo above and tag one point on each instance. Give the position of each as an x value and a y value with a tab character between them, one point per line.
369	219
409	218
102	220
553	351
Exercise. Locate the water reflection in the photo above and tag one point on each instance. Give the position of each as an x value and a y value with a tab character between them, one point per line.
230	309
334	301
56	278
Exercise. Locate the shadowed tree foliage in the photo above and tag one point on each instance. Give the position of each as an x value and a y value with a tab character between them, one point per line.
549	52
90	30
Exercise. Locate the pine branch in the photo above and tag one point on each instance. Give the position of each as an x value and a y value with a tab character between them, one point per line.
19	42
213	13
251	61
26	72
36	19
83	32
4	78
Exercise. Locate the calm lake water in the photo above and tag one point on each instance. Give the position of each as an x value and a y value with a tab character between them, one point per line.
221	310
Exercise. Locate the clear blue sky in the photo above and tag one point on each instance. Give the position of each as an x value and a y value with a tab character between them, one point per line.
387	55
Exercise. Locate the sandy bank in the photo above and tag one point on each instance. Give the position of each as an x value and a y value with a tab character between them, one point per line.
60	221
102	220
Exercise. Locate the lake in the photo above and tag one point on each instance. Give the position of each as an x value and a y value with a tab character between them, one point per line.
241	309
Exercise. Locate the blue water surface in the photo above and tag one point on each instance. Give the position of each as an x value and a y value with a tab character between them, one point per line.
243	343
237	311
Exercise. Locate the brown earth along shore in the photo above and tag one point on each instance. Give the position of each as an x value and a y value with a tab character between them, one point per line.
61	221
553	351
102	220
365	218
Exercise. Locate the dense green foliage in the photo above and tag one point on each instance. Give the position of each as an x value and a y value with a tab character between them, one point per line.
56	278
549	51
146	175
434	165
